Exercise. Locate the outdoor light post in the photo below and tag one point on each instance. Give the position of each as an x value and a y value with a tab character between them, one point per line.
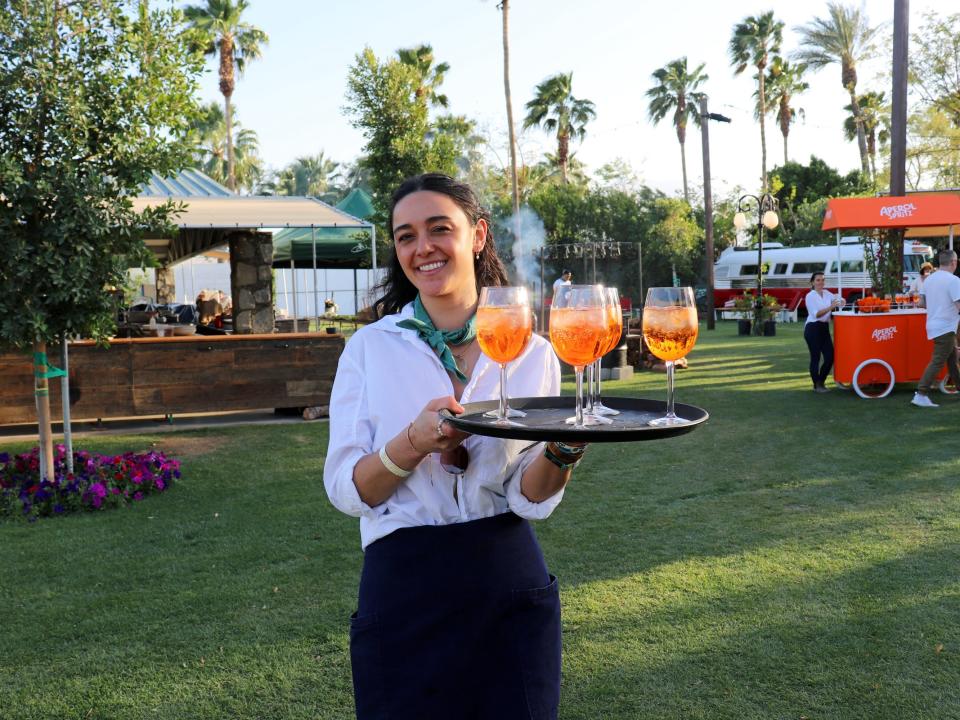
766	209
705	115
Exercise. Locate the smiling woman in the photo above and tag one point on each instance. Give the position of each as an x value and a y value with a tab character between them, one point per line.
442	545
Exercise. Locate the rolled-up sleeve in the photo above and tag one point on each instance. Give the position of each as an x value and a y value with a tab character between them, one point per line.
351	437
543	381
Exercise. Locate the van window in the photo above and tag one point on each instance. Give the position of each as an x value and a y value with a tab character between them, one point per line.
911	263
847	266
779	269
748	269
809	268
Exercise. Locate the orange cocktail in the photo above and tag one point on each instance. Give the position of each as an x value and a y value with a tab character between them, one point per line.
578	335
670	332
614	327
503	332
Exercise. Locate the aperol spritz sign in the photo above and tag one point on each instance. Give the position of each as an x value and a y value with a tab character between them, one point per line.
884	334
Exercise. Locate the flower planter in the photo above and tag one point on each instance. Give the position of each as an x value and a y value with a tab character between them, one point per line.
769	328
743	327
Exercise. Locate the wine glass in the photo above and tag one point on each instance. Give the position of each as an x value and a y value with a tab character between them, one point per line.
614	330
504	326
670	331
578	333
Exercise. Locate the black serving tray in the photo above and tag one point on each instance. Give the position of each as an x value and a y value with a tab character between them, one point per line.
546	418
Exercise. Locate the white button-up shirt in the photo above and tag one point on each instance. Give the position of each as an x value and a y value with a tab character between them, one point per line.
816	302
385	377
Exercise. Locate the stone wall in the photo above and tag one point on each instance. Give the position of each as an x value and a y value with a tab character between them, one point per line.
166	285
251	282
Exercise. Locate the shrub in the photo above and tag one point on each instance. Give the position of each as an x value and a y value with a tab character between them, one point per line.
96	483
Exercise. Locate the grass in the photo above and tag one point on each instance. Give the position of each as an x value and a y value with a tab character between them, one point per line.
794	558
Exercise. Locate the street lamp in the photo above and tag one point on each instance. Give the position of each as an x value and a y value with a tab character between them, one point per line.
766	208
705	115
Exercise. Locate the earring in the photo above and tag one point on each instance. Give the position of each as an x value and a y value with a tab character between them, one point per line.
476	256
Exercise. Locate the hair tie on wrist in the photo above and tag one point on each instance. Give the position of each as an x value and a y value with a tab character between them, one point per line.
410	440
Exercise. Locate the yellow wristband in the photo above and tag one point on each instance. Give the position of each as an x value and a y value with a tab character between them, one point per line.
391	465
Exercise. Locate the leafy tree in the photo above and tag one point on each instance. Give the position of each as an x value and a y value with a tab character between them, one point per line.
382	102
846	38
210	153
222	32
676	93
676	238
308	176
933	150
504	6
429	76
875	113
784	82
618	174
935	63
555	109
753	41
92	100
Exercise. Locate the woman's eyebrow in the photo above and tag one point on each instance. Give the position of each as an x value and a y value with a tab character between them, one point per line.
408	226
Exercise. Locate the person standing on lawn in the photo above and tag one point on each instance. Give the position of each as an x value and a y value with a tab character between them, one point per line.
566	278
940	295
457	614
820	305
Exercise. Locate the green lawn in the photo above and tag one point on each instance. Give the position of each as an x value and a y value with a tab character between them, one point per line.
796	557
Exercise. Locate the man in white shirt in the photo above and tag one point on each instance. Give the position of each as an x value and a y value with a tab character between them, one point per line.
564	279
941	297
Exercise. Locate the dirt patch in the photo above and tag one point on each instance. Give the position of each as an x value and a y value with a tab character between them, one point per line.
180	447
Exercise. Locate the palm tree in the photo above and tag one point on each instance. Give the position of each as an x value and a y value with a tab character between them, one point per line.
505	9
676	92
307	176
236	42
784	81
844	37
555	109
751	45
875	115
429	76
210	155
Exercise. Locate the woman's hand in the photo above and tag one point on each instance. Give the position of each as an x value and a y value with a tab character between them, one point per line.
430	432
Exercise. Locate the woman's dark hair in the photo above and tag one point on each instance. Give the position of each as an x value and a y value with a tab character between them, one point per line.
814	276
396	287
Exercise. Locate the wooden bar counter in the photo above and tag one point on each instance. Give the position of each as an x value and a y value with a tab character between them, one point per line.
176	375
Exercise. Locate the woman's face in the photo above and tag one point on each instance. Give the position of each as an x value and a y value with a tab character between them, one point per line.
818	283
435	243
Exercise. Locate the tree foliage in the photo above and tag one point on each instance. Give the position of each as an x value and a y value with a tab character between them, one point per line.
211	153
383	103
935	63
555	110
92	99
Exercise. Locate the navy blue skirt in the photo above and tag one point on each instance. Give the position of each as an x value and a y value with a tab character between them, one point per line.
457	621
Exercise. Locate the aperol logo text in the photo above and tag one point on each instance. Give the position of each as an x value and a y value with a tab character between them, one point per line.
895	212
884	334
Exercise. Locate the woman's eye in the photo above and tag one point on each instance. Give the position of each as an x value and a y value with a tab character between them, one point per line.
441	229
406	237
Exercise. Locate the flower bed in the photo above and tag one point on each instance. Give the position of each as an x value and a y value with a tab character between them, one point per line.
96	483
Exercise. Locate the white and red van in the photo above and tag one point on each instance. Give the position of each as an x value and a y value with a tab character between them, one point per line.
788	269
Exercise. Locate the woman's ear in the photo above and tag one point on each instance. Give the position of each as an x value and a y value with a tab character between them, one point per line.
480	235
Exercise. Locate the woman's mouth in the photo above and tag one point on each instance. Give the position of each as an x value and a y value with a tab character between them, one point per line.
430	267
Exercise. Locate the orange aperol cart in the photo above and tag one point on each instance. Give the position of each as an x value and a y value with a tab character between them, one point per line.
874	351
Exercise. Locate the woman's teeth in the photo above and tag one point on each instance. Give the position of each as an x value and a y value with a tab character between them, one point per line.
432	266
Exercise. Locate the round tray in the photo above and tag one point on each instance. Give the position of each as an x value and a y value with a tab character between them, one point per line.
546	418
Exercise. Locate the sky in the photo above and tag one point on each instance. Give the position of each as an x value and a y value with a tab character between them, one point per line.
294	96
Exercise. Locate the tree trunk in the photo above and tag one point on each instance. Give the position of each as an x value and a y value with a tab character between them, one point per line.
41	390
231	176
785	161
763	130
683	163
861	134
563	149
505	8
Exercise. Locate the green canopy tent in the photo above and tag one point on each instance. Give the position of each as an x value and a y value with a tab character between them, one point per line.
342	246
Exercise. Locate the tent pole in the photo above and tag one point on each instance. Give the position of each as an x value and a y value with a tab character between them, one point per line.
293	272
839	267
65	397
316	303
286	295
373	247
951	237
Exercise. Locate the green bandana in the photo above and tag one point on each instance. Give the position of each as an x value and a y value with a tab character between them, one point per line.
440	340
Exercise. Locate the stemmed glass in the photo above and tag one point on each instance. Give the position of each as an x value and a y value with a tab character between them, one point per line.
578	332
614	330
670	331
504	326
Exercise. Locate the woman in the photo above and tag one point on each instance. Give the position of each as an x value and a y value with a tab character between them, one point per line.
456	608
820	304
916	286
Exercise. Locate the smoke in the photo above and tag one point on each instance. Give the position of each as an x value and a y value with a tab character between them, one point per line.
527	247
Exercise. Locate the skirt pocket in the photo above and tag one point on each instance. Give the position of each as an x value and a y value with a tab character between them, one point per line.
535	620
366	665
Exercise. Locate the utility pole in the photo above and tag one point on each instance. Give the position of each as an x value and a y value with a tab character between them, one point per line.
705	117
898	123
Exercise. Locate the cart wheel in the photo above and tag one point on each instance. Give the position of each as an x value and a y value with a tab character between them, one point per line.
842	386
947	387
873	378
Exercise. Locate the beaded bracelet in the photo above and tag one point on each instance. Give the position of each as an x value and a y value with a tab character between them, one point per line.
564	463
391	465
569	449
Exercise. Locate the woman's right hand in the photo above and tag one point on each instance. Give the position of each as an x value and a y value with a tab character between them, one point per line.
430	432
